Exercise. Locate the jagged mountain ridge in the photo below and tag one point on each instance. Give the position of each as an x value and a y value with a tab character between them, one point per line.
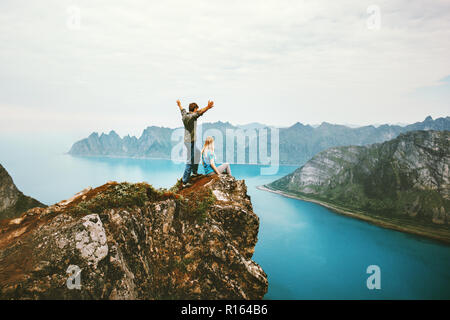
134	242
155	142
406	177
297	144
12	201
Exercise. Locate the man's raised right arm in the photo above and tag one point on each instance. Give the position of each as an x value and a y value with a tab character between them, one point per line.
179	105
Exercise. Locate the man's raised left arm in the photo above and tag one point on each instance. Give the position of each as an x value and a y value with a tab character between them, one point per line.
183	111
209	106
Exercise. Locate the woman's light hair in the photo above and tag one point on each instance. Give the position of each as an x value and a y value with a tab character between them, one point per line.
209	146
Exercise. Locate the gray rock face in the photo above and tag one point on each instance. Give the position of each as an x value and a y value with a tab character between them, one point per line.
12	201
408	176
318	170
131	241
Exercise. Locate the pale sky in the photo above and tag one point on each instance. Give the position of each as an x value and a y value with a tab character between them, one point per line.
275	62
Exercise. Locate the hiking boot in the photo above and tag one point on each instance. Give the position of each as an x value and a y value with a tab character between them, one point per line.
195	175
187	185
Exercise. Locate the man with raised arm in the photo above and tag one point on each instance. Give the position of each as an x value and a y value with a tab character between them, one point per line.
190	128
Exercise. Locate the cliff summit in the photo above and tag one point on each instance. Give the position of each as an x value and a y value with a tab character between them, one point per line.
131	241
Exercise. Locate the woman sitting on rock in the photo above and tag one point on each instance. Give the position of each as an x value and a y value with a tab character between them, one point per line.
209	158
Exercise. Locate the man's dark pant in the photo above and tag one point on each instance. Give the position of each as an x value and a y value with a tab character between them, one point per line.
193	158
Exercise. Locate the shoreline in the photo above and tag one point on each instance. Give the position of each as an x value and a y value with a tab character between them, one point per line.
415	230
182	161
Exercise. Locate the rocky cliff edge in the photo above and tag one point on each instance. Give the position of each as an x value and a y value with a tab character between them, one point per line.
131	241
12	201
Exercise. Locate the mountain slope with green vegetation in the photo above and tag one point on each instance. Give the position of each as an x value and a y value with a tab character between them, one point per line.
403	183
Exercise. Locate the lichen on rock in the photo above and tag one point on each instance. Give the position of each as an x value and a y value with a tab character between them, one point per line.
91	241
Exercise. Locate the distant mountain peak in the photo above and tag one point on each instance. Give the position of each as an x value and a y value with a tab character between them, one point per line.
298	125
326	125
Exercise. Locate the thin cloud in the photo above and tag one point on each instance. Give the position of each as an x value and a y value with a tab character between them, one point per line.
275	62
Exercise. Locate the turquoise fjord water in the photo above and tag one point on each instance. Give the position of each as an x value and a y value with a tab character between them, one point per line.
307	251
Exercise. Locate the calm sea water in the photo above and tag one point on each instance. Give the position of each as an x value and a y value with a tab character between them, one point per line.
307	251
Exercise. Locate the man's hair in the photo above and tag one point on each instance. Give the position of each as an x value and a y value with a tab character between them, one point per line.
192	106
